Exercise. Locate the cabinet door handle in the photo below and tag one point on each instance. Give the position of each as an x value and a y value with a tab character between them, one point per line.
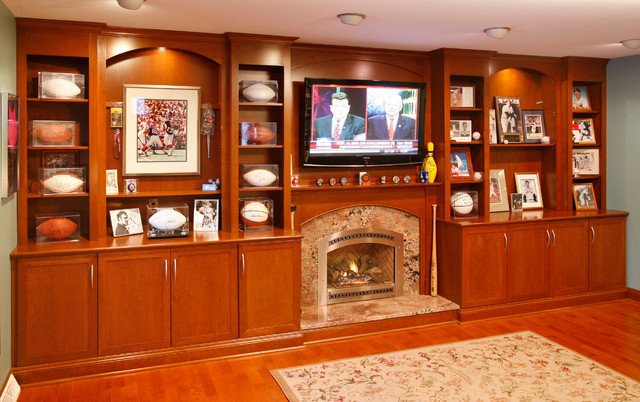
548	238
175	270
593	234
506	241
166	269
242	263
553	232
91	276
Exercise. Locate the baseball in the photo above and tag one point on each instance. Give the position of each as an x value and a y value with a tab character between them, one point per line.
462	203
476	135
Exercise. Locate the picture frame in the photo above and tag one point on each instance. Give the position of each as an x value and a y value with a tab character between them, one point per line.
586	161
59	159
152	112
580	98
125	222
205	215
528	184
130	186
460	130
516	202
493	133
9	143
508	119
498	200
462	96
112	181
584	197
115	117
534	127
461	165
582	131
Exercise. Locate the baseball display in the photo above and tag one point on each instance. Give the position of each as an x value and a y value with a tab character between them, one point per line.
462	203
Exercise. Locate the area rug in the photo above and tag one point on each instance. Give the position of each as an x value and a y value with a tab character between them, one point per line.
518	366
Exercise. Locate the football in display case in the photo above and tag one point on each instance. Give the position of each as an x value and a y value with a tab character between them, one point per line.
62	180
264	133
168	221
464	204
60	85
259	91
56	133
256	213
58	227
259	175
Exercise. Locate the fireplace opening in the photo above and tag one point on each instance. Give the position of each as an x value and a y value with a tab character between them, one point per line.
359	264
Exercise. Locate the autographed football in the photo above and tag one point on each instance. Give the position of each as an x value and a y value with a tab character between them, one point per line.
53	134
260	177
254	214
258	92
60	88
57	228
259	135
63	183
167	219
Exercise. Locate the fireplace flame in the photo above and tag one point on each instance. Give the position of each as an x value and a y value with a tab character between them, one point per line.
353	267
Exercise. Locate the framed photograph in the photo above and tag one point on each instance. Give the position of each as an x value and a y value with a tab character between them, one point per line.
460	130
580	99
582	131
516	202
533	126
584	197
493	133
112	181
125	222
510	124
461	165
10	141
161	130
498	200
130	186
116	117
462	96
528	184
205	215
59	159
586	161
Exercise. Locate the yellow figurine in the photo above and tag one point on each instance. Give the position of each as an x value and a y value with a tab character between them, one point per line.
429	165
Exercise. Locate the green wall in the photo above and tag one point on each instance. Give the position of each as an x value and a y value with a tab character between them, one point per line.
623	153
8	213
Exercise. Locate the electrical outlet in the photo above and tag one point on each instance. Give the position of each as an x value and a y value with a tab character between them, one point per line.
11	391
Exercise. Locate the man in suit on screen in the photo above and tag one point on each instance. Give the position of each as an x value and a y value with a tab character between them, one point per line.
340	125
392	125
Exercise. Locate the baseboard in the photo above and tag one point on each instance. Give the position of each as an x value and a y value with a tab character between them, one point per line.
147	359
633	294
10	389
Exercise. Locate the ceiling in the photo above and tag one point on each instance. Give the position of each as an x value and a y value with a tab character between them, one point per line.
592	28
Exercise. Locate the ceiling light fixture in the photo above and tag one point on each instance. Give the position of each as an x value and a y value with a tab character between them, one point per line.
497	32
130	4
631	43
351	18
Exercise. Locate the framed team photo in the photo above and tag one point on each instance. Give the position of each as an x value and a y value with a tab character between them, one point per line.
533	125
205	215
580	99
509	119
582	131
125	222
461	166
161	126
528	184
584	197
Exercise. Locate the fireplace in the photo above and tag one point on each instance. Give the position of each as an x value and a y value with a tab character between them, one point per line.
360	264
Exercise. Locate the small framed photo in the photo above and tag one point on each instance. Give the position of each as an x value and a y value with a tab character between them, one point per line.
493	133
59	159
461	165
510	124
528	184
534	128
584	197
130	186
582	131
125	222
498	200
205	215
462	96
460	130
116	117
112	181
516	202
586	161
580	99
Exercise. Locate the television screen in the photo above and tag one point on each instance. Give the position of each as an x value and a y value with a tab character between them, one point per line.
363	123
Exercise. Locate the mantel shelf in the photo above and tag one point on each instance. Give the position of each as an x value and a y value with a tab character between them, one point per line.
370	187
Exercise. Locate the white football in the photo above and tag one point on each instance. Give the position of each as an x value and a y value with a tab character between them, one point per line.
260	177
60	88
63	183
258	92
167	219
254	214
462	203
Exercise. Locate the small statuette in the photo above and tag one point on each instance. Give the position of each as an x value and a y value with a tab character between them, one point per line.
332	181
428	170
383	179
407	179
476	135
477	176
343	181
546	139
396	179
319	182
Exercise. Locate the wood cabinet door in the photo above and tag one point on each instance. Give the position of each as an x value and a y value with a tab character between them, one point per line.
204	294
484	276
607	253
569	257
528	261
133	301
269	288
56	309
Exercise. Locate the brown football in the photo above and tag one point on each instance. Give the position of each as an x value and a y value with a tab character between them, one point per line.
259	135
57	228
53	134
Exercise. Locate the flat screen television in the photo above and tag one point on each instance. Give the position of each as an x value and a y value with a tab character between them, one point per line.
363	122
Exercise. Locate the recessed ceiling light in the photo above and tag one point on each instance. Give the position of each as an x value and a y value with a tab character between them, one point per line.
130	4
351	18
497	32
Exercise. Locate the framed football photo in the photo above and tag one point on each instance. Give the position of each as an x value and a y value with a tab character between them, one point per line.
509	121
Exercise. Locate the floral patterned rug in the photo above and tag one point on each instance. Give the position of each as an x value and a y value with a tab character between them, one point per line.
518	366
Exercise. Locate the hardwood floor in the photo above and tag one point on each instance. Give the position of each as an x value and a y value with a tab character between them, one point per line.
608	333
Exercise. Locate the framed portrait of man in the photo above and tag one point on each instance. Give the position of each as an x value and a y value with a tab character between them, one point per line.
509	119
528	184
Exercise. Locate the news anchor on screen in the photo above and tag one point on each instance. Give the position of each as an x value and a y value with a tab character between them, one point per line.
340	125
392	125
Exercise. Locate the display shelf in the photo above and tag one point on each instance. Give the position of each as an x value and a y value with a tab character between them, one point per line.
74	195
166	193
